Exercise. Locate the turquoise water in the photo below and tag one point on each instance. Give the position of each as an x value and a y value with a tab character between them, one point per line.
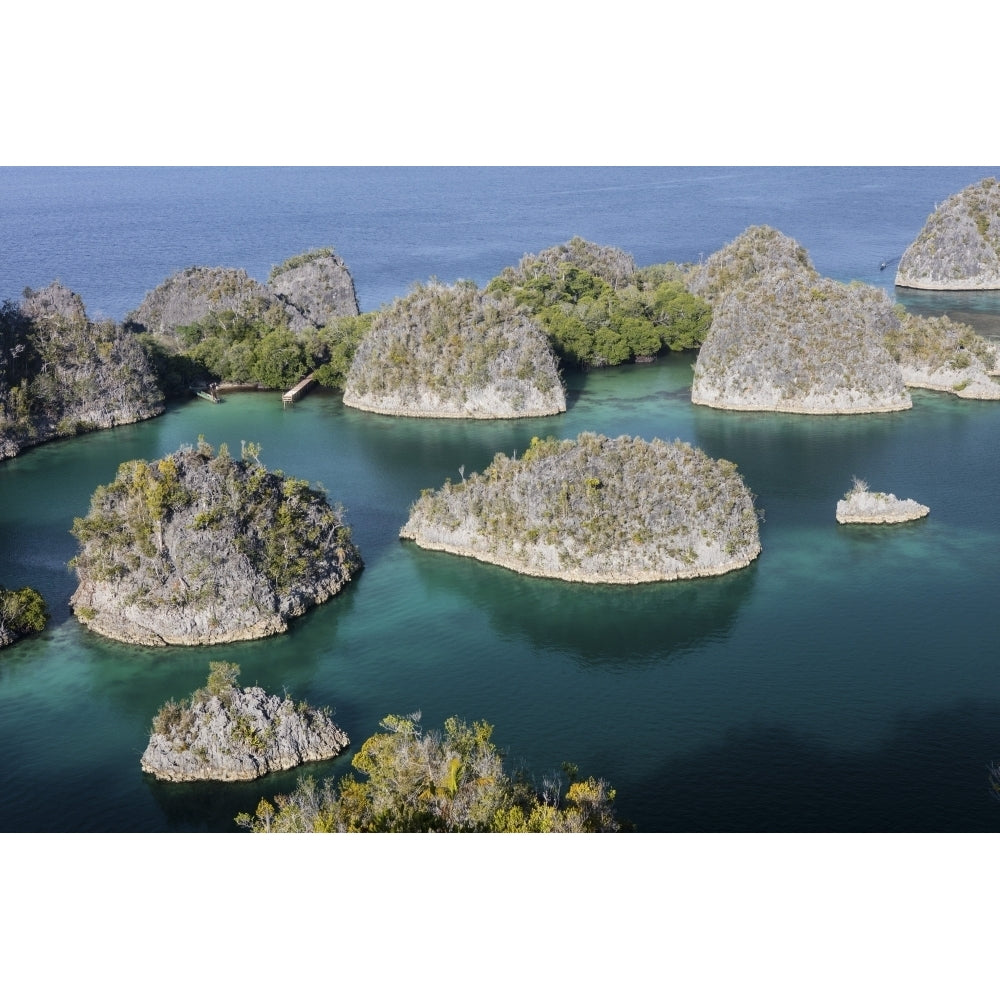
847	680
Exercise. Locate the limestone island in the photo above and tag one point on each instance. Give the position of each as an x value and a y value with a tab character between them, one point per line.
226	733
453	351
785	339
596	510
861	506
935	352
200	548
62	374
958	248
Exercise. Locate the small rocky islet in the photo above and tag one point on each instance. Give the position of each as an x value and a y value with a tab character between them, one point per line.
227	733
860	505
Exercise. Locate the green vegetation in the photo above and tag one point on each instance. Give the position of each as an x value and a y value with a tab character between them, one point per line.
596	509
598	309
22	613
451	781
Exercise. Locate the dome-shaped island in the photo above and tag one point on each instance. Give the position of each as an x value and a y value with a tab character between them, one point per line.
200	548
453	351
959	247
596	510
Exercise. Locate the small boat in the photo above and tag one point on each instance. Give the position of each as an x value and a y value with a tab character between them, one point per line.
212	396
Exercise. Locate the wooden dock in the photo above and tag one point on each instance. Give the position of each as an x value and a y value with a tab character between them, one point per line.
297	390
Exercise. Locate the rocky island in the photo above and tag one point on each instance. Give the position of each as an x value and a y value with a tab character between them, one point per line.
453	351
596	510
861	506
785	339
958	248
200	548
62	374
935	352
226	733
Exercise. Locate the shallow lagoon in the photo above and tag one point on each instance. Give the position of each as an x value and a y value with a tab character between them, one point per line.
845	681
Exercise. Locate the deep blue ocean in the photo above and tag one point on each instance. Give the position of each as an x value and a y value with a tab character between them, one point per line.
847	681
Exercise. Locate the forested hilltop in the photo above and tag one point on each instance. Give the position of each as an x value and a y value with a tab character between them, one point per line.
201	548
958	248
599	309
61	374
596	510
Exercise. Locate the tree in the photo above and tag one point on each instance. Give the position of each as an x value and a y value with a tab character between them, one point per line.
22	612
450	781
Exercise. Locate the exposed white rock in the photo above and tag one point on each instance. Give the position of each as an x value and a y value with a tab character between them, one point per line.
861	506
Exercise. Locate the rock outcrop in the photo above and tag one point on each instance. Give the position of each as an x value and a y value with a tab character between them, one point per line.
596	510
61	374
453	351
939	353
315	285
861	506
958	248
305	291
199	548
225	733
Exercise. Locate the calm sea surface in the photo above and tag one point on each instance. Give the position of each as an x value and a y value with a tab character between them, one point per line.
848	680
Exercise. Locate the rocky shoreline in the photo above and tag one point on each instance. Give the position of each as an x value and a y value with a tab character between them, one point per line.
577	576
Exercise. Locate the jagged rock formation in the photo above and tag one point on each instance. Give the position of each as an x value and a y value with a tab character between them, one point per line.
596	510
785	339
861	506
317	285
939	353
199	548
61	374
308	290
453	351
959	247
225	733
